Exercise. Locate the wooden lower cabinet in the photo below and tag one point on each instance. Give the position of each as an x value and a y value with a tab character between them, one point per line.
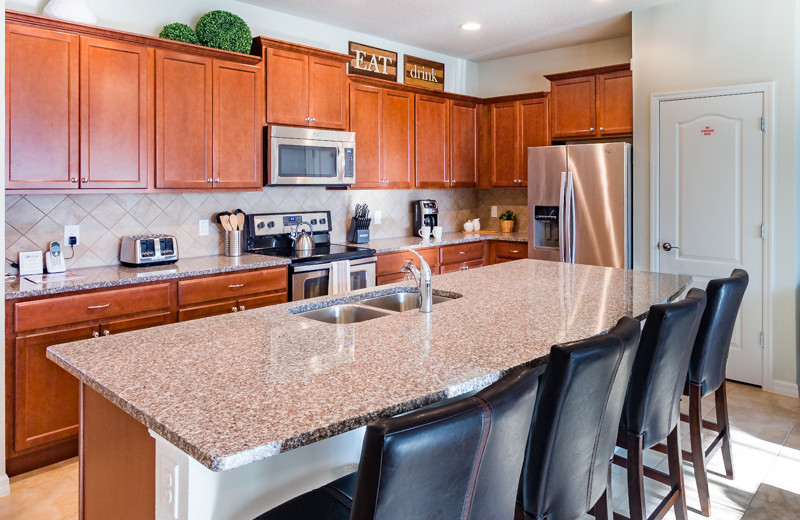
460	257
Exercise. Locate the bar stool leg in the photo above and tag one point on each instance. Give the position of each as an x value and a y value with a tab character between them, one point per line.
696	442
674	458
604	508
724	427
636	502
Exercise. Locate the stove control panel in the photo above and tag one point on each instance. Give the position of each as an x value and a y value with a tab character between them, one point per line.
269	224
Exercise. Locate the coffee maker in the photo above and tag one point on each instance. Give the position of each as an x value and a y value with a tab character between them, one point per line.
426	213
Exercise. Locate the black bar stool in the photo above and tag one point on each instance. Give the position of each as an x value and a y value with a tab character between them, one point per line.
707	376
568	459
652	405
459	460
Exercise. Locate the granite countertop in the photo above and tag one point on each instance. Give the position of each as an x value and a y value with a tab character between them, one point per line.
118	275
233	389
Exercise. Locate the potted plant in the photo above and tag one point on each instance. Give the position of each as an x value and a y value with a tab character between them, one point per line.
507	219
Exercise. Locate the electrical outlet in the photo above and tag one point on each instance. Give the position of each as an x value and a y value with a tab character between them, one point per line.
72	231
202	227
377	216
494	211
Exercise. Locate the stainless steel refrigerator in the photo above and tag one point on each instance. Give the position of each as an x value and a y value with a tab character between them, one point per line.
579	204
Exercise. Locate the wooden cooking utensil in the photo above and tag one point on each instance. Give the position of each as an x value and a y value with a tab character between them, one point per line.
225	220
240	220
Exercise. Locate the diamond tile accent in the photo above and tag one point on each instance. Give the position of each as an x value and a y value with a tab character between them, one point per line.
23	216
45	203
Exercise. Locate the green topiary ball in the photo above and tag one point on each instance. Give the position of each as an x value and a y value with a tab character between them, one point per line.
180	32
224	30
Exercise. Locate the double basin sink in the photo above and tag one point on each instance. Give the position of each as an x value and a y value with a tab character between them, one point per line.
369	308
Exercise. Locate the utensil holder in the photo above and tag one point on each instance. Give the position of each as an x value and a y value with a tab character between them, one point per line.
234	243
359	230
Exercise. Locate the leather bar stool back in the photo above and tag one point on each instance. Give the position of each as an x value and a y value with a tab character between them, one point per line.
707	376
652	405
575	423
460	460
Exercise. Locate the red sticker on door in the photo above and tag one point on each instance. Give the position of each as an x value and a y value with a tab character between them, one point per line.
707	131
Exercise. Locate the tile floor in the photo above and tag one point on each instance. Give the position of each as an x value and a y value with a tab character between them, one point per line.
766	455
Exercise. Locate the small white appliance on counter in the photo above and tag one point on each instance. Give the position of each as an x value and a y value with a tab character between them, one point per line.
144	250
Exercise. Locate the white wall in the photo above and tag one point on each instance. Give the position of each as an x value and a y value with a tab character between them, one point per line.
149	17
694	44
526	73
4	489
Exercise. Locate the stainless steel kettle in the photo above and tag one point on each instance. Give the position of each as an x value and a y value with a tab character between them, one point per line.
303	241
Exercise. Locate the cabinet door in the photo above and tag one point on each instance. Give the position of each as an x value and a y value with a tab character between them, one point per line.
116	114
615	103
463	144
237	126
41	108
46	396
397	139
204	311
573	110
287	87
505	148
534	131
365	121
432	125
327	93
183	120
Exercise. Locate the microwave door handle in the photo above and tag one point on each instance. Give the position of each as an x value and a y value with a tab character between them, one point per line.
340	162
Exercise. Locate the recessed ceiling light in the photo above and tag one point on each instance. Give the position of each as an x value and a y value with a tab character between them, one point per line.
471	26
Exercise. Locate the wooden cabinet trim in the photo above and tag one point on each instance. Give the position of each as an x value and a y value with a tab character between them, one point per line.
588	72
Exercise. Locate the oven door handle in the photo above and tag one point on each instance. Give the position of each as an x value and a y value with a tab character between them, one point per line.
311	268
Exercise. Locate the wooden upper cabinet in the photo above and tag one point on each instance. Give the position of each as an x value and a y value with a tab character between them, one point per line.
287	87
574	113
305	86
365	121
505	146
463	144
183	120
237	108
116	114
41	108
327	93
614	103
534	130
592	103
397	139
432	124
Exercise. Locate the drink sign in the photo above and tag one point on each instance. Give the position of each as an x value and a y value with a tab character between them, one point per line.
372	62
423	73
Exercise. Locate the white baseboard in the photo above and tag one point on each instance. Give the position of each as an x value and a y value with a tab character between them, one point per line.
783	388
5	487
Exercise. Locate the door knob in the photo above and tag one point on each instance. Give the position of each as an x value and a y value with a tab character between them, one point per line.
666	246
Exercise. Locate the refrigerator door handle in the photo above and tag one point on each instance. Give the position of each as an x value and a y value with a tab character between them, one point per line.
570	219
562	242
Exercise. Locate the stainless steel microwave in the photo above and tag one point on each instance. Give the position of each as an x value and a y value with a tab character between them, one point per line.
306	156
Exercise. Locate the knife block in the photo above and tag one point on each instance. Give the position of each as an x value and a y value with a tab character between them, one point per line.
359	230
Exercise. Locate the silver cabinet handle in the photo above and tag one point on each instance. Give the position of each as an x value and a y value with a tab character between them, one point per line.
106	333
462	252
234	286
209	180
313	119
216	180
84	179
99	306
515	250
308	119
241	307
95	334
591	129
74	180
234	308
601	128
666	246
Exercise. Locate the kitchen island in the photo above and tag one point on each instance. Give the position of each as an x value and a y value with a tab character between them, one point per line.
226	396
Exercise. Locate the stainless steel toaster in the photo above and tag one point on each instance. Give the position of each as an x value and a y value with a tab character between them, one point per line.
141	250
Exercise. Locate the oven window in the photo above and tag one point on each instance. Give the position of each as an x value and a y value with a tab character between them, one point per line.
317	286
307	161
358	280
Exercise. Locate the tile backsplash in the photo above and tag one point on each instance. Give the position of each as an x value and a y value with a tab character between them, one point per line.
32	221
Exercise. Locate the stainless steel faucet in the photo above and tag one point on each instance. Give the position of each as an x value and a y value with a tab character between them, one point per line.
424	280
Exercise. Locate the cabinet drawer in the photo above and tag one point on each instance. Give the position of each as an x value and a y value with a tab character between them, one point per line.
461	266
392	263
511	250
77	308
229	286
129	324
462	252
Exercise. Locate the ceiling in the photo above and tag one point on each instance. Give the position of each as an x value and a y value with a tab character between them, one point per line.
508	27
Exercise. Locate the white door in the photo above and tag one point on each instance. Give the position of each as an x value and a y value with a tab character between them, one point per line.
710	174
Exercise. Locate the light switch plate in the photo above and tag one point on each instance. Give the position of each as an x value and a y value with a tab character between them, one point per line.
377	216
202	227
494	211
